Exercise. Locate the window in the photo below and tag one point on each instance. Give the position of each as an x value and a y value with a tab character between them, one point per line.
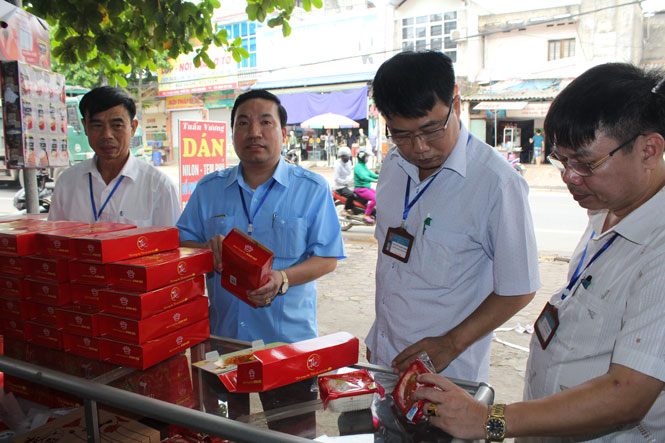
430	32
247	31
561	49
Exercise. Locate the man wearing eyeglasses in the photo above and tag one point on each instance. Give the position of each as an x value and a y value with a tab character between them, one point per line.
458	253
596	368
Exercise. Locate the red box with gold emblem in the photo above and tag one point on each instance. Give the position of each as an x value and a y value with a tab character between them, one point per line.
246	264
159	270
17	309
282	365
137	305
55	269
141	331
86	294
12	287
14	328
22	240
84	272
43	313
12	265
44	335
121	245
157	350
50	293
81	345
79	319
58	242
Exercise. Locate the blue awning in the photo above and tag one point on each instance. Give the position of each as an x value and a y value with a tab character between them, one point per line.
303	105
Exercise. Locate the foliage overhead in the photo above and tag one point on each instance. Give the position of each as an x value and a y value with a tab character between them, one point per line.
118	35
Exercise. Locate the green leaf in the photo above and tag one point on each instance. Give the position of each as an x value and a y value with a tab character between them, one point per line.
307	5
286	29
318	4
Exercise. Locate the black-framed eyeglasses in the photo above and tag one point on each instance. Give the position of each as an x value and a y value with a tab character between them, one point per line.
586	169
408	139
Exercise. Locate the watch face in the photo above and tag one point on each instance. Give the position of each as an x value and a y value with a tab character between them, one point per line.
495	428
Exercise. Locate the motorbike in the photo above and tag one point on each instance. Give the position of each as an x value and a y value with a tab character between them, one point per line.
45	193
517	166
291	155
346	222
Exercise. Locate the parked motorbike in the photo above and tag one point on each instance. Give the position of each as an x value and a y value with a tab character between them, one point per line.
346	222
45	194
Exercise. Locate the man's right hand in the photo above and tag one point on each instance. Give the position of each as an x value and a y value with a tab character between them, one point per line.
215	245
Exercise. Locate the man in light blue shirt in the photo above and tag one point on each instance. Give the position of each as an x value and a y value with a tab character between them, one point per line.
286	208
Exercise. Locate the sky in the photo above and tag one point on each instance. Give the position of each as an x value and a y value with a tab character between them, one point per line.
503	6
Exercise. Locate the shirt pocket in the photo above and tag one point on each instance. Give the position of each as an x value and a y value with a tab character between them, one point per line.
445	256
584	319
138	220
218	225
290	237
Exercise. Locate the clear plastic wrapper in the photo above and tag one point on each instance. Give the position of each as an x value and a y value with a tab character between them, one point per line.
408	384
351	391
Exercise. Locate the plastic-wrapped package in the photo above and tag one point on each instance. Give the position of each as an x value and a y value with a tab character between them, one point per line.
408	384
351	391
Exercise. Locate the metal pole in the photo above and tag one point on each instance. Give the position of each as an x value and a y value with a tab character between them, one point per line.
31	192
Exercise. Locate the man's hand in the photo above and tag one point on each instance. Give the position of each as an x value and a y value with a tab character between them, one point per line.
263	296
441	351
214	244
457	412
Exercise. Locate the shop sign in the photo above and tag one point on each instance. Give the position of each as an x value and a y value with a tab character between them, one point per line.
202	151
183	102
533	110
220	99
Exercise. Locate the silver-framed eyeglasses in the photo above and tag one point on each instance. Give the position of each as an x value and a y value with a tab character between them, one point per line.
585	169
408	139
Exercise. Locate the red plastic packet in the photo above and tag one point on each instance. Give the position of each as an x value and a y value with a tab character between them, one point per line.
408	383
349	391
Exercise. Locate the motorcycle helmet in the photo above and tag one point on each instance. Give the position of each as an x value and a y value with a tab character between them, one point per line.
344	151
361	156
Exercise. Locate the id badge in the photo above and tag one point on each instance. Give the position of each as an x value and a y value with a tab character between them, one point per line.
398	244
547	324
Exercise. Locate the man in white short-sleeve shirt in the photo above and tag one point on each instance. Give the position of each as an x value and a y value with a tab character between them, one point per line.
596	368
113	186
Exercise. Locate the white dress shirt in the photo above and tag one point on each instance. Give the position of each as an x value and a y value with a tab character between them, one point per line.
145	197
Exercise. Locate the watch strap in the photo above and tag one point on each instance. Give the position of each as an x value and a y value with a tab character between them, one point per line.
496	417
285	283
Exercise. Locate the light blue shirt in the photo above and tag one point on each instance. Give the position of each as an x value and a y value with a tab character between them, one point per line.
473	235
296	221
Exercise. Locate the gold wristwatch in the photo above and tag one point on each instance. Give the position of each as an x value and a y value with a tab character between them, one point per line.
285	283
495	425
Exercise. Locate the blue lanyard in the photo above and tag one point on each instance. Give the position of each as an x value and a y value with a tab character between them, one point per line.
578	273
407	205
92	197
244	206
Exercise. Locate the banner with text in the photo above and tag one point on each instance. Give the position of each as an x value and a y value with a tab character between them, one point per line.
202	151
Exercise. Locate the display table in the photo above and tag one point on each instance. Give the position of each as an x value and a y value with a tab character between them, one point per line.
177	393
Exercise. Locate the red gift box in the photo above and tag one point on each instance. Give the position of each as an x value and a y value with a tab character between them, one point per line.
14	309
83	272
24	219
50	293
246	264
23	240
43	313
12	265
55	269
14	329
80	345
58	242
159	270
129	243
86	294
157	350
282	365
141	331
44	335
79	319
12	287
138	306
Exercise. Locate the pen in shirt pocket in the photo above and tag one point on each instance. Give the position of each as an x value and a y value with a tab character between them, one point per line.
586	282
274	216
427	222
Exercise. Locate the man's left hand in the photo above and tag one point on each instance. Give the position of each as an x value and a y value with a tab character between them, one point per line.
264	295
440	350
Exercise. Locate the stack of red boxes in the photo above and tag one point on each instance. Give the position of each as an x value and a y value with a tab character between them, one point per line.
107	291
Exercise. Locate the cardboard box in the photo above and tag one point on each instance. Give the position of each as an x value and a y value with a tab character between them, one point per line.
55	269
159	270
79	319
71	428
35	116
14	309
157	350
282	365
58	243
44	335
23	240
81	345
137	305
91	273
43	313
141	331
10	265
12	287
50	293
246	264
121	245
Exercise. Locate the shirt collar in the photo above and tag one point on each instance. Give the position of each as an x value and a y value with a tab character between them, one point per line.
130	169
281	174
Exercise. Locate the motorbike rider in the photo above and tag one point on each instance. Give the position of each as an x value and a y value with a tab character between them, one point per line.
364	178
344	178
